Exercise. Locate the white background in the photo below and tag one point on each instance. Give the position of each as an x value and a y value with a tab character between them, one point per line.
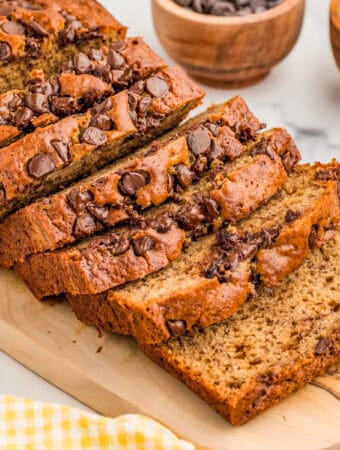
303	94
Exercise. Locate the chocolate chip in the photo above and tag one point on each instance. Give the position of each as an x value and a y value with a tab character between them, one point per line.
104	106
210	208
100	212
12	28
37	28
96	54
40	165
292	215
84	226
119	245
199	141
5	51
189	216
144	104
63	106
115	60
62	149
103	122
183	175
215	152
262	148
162	224
131	182
33	47
2	194
133	100
93	136
68	34
313	236
82	64
213	128
176	327
49	87
78	200
118	46
200	165
323	346
227	241
222	8
15	103
290	159
22	118
138	87
157	87
143	245
37	102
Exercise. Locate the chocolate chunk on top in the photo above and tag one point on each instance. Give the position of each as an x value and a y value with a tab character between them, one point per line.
157	87
176	327
199	141
131	182
40	165
142	245
93	136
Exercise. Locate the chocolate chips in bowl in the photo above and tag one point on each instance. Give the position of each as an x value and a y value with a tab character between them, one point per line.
228	43
228	7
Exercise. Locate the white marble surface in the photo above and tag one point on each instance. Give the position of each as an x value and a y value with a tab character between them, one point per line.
303	94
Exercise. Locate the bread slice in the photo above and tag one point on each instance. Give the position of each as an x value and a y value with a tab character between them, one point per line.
165	168
54	156
84	81
42	34
215	276
278	342
239	187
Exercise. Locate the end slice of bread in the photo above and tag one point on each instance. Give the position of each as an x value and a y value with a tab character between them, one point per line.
278	342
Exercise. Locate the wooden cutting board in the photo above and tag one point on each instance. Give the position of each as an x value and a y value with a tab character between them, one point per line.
111	375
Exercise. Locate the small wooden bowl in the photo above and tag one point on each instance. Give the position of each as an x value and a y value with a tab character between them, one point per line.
335	29
228	51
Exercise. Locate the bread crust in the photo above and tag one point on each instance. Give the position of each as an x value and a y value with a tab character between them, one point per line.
49	223
20	186
44	273
59	28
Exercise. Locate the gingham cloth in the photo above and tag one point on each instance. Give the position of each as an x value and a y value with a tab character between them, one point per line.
32	425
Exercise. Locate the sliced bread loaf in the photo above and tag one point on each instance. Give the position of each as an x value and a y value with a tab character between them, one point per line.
149	177
279	341
53	156
216	275
240	187
43	33
85	80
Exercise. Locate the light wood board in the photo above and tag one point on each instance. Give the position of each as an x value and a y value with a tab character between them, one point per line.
111	375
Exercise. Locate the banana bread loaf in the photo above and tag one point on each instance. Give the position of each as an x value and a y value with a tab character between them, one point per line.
54	156
239	187
148	177
215	276
43	33
278	342
84	81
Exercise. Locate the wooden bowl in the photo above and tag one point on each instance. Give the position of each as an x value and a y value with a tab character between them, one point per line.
335	29
228	51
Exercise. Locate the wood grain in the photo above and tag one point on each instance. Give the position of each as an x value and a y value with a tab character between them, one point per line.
228	51
120	379
335	29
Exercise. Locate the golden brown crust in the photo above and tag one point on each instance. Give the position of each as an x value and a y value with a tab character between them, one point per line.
203	302
41	30
84	89
49	223
259	396
89	147
293	244
96	267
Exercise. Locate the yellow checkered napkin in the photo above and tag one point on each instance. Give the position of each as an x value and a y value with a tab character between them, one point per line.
31	425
